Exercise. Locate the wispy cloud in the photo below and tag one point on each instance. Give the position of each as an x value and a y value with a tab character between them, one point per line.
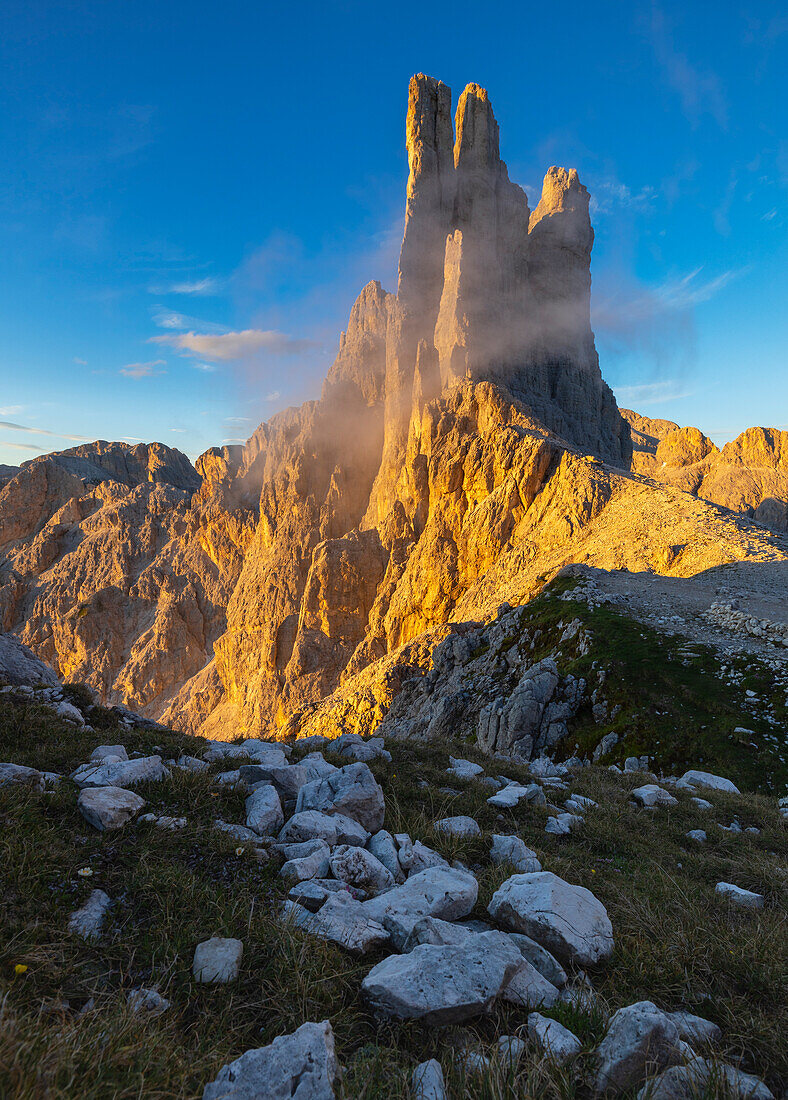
197	287
233	345
700	91
651	393
624	307
610	194
11	427
10	410
80	362
207	367
143	370
273	396
23	447
173	319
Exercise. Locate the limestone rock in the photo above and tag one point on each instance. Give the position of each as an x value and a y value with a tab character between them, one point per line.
435	892
351	791
382	846
361	869
217	960
568	920
707	779
264	812
18	773
301	1066
553	1038
342	920
529	988
442	985
540	958
108	807
88	921
514	851
121	773
651	794
147	1002
639	1039
698	1076
463	827
427	1082
737	895
307	864
19	665
695	1029
333	828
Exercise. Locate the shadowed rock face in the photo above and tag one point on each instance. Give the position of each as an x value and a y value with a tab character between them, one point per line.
452	463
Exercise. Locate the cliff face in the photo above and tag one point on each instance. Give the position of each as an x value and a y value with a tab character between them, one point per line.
749	475
464	448
384	501
114	570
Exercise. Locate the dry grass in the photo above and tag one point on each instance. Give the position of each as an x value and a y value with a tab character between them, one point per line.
66	1031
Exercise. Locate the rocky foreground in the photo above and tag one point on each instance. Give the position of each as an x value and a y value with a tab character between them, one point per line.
375	917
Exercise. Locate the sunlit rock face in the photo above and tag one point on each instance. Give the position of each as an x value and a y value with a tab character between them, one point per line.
464	448
749	475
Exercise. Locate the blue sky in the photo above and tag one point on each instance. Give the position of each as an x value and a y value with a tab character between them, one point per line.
191	196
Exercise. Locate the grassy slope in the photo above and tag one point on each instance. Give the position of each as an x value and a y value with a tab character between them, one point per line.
676	705
676	942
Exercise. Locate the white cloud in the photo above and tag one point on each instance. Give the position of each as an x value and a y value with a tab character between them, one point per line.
182	431
41	431
208	367
232	345
143	370
10	410
273	396
80	362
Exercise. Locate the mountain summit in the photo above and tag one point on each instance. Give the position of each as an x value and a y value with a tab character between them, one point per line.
464	449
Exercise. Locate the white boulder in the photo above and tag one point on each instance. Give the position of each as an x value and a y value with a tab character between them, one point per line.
514	851
566	919
300	1066
462	827
108	807
443	985
88	921
745	899
352	791
640	1039
264	814
553	1038
360	868
427	1082
217	960
694	778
